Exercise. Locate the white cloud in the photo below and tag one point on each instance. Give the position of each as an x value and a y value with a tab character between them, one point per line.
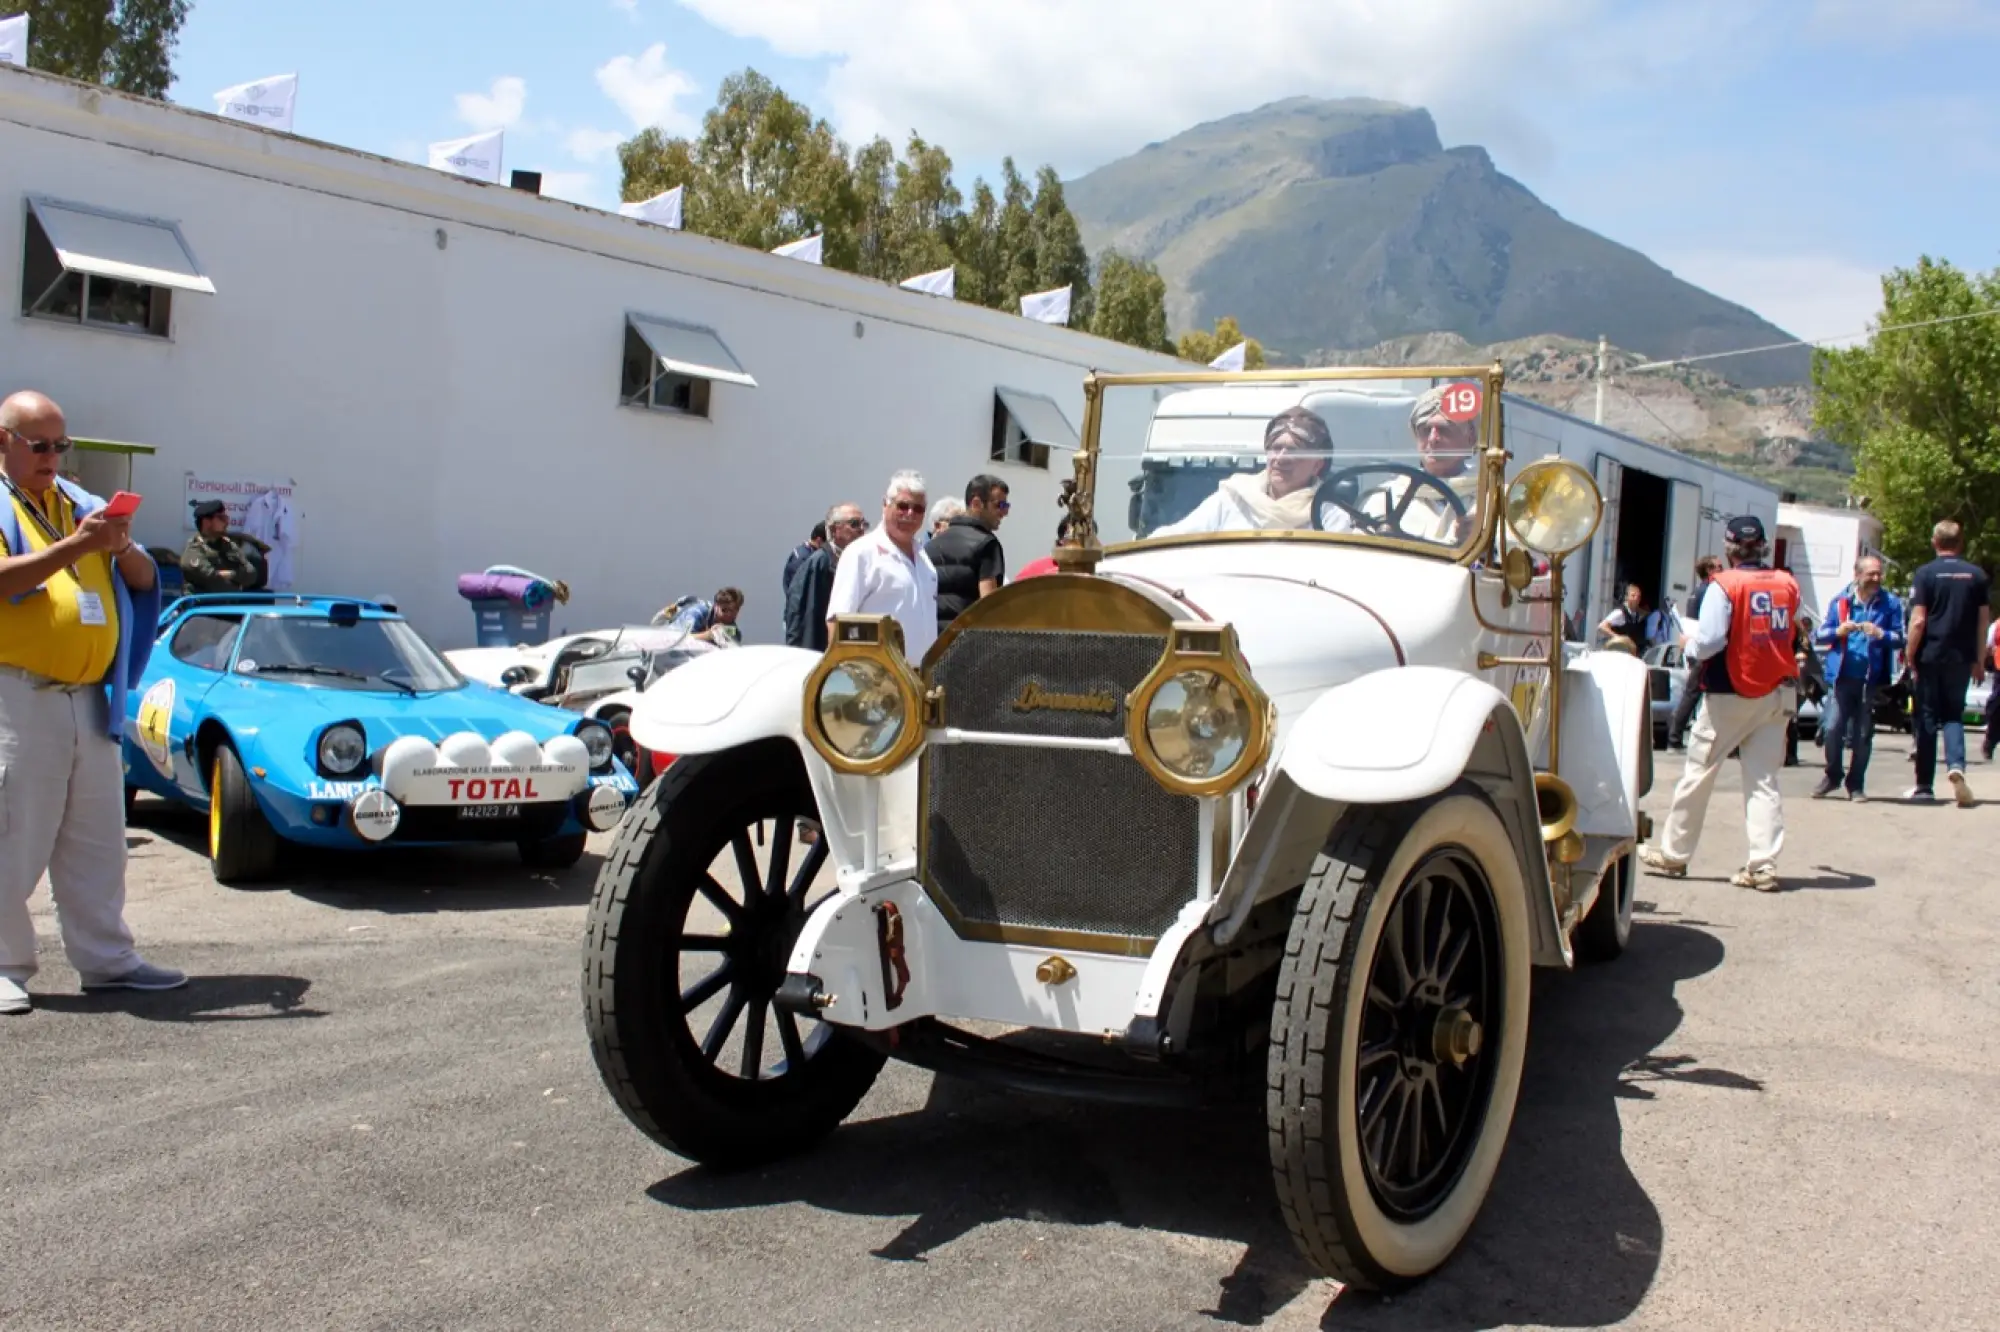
575	186
499	107
1811	296
626	6
648	90
592	145
1078	84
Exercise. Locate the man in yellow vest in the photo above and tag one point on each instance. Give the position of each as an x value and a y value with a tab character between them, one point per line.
79	606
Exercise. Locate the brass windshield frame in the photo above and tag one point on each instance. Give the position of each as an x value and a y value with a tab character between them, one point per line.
1079	492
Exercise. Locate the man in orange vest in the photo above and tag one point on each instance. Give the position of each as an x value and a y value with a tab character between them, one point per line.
1743	640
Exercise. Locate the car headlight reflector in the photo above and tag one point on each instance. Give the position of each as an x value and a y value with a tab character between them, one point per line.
596	737
1198	723
864	705
1553	506
342	749
861	710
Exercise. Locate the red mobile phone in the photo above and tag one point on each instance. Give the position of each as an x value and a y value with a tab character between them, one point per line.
123	505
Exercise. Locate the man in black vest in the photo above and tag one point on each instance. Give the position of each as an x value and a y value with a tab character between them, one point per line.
970	563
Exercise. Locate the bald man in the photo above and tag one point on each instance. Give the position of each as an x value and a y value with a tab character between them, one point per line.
79	606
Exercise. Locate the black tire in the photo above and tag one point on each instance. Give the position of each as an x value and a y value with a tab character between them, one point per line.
555	853
242	845
1602	935
670	1084
1337	1181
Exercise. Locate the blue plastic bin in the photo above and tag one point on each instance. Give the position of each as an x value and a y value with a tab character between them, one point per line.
503	624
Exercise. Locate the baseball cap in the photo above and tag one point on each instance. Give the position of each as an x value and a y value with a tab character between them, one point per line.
207	509
1747	530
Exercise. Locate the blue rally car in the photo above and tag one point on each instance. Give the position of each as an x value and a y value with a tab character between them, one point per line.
330	722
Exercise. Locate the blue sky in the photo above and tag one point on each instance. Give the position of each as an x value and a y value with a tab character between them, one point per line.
1779	152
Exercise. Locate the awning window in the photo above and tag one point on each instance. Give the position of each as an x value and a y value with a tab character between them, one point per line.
1026	426
120	246
687	349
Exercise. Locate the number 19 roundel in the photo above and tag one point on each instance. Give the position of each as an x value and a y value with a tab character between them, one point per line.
1461	402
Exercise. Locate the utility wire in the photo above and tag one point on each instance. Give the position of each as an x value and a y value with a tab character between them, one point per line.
1810	342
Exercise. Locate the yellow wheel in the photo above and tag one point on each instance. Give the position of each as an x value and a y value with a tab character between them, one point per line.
242	846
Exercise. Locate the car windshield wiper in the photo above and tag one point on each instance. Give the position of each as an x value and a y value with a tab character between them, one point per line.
339	672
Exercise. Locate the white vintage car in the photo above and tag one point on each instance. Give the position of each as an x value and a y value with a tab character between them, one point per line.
1287	793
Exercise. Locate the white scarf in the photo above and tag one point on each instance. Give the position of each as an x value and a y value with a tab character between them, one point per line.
1292	511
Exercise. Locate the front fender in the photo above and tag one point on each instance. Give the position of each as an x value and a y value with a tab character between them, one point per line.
1395	734
1607	741
724	700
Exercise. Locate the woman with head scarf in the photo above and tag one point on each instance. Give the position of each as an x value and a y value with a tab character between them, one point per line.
1298	450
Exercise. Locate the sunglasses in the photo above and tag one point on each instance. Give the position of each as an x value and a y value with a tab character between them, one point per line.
904	506
850	522
44	446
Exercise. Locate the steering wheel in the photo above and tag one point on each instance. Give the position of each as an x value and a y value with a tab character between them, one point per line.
1338	488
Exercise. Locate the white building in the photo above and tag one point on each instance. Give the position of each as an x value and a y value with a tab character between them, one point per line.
1820	546
448	375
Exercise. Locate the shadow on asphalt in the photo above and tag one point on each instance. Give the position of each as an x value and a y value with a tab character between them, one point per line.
1568	1237
202	999
474	877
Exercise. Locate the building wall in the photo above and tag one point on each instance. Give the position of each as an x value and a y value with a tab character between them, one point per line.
445	408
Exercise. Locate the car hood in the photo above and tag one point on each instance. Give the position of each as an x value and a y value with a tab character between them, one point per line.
1310	617
270	707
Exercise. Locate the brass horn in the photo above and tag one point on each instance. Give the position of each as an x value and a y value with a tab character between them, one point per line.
1556	803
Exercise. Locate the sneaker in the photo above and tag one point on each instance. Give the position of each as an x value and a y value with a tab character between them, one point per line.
1858	797
1827	786
1959	790
1763	880
1921	795
1659	864
14	996
145	976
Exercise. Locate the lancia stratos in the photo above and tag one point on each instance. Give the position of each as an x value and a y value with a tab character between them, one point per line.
1280	792
331	722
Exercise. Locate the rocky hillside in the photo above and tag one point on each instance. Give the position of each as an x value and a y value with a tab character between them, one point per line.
1761	432
1343	224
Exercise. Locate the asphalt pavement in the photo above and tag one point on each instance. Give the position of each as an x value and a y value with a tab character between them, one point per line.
375	1108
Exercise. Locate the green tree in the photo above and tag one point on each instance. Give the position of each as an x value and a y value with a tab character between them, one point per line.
1202	348
1920	409
1131	303
123	44
1059	257
975	244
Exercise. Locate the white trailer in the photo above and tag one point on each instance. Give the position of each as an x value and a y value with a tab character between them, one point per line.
1820	546
1663	510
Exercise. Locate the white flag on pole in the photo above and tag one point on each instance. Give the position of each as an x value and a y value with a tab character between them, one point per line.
944	282
14	40
1231	359
807	249
476	157
1047	307
662	210
266	102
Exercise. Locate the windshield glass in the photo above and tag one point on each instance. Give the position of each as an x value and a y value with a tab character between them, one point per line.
383	655
1369	458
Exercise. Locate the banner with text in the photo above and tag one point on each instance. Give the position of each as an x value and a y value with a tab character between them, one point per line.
267	102
476	157
14	40
1047	307
944	282
1231	359
807	249
234	492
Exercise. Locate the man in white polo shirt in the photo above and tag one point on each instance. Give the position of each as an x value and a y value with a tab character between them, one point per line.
886	573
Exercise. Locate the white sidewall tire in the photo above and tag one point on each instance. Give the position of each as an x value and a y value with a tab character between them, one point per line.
1412	1250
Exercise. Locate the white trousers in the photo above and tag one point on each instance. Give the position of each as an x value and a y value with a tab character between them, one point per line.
1756	727
62	809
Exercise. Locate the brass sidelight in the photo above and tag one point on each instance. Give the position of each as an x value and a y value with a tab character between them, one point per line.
1055	971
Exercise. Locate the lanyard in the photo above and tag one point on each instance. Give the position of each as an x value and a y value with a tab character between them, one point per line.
33	510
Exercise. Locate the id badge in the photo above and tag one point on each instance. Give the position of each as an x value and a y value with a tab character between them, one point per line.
89	607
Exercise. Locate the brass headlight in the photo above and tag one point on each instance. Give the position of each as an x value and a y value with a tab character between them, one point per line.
1553	506
1198	722
864	706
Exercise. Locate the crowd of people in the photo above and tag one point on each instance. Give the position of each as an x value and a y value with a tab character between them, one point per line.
1747	657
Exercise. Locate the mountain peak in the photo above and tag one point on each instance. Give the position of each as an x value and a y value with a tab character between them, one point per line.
1329	224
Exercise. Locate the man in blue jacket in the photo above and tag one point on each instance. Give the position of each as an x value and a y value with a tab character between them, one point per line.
1862	632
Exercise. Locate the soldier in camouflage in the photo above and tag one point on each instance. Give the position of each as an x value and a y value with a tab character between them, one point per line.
215	560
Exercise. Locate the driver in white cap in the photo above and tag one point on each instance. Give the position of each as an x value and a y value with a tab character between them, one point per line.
1444	451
